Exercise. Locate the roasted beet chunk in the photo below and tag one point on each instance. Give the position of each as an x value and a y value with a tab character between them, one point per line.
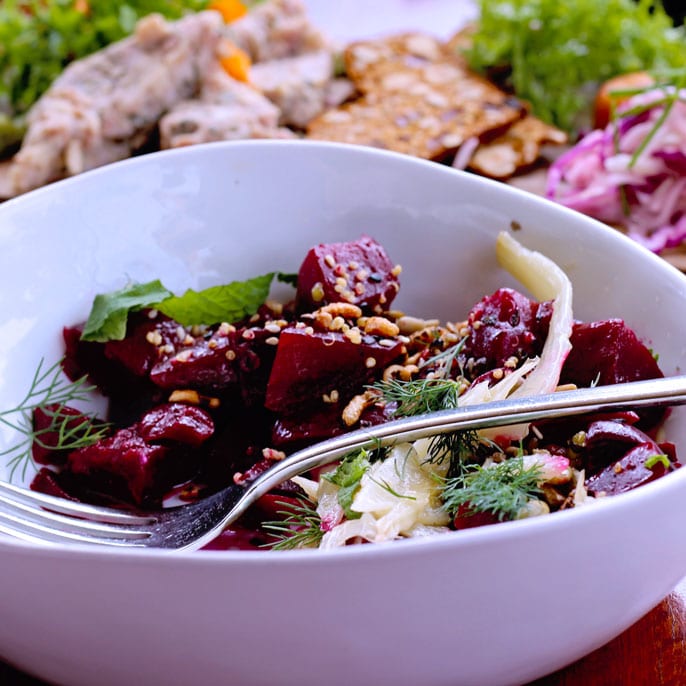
145	339
503	325
52	422
312	368
204	364
607	352
643	463
176	423
142	462
358	272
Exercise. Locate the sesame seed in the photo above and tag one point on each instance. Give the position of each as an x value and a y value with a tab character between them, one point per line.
309	330
386	342
362	275
498	374
255	318
329	259
359	288
352	265
396	270
272	340
154	337
354	335
230	355
169	348
317	292
184	356
248	334
152	314
180	333
212	344
272	328
341	281
370	362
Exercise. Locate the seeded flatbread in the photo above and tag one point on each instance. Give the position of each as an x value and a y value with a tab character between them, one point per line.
516	149
416	98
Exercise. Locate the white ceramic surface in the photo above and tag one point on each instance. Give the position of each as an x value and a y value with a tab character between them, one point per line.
496	605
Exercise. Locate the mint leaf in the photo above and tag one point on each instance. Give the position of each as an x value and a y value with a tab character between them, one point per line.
216	304
347	477
107	320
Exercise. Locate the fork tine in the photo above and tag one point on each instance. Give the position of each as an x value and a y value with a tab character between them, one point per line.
70	507
19	511
27	530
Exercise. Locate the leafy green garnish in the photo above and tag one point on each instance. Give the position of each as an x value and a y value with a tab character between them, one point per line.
38	39
419	396
110	311
300	528
347	476
51	392
559	52
226	303
502	489
655	459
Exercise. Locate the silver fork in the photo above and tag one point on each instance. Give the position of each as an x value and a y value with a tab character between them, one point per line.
41	518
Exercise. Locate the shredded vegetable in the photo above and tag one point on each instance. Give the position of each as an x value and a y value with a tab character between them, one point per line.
632	174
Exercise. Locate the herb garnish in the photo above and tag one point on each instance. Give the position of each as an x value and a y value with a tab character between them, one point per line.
558	53
502	489
347	476
300	528
229	302
51	392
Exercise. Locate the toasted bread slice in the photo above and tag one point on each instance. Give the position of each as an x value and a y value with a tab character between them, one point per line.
416	98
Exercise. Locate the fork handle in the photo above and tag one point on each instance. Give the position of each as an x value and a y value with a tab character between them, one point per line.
651	393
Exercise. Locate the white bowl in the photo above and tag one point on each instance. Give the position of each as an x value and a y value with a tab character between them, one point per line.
496	605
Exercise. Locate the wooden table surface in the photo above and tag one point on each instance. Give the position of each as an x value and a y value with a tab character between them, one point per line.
650	653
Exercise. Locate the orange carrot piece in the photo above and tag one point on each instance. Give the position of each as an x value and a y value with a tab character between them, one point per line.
229	9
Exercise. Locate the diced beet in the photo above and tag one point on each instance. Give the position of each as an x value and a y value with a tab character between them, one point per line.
358	272
627	473
503	325
298	430
255	353
311	364
47	481
111	377
607	352
140	349
240	537
207	365
178	423
123	464
466	518
48	421
607	441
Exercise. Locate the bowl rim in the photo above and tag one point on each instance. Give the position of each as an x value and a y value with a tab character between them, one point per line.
474	537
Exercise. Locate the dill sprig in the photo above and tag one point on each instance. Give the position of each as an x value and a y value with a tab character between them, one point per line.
502	489
52	393
301	527
419	396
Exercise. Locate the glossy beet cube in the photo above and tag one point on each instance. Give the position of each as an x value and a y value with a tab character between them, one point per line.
358	272
503	325
177	423
143	461
312	368
607	352
53	424
627	473
207	365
